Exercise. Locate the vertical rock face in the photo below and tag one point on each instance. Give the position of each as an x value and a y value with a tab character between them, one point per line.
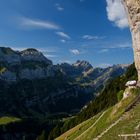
133	12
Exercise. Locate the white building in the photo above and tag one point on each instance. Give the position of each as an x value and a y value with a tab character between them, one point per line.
130	85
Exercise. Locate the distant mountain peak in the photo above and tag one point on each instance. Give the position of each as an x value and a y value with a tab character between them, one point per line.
82	63
122	65
32	54
31	51
6	51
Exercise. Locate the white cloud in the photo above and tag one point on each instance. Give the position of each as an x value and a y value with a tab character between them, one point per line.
116	13
65	61
50	55
103	51
63	40
75	51
104	65
19	48
91	37
125	45
63	35
59	7
121	46
35	23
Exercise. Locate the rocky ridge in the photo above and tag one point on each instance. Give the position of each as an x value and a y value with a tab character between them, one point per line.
133	12
27	64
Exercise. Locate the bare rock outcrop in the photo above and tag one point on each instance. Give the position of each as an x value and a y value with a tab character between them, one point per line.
133	12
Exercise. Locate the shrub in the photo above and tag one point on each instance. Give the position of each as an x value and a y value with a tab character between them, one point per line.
120	95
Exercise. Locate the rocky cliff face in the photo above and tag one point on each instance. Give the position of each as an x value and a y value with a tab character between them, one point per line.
27	64
133	11
84	73
79	68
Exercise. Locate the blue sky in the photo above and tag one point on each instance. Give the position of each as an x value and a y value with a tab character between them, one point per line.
68	30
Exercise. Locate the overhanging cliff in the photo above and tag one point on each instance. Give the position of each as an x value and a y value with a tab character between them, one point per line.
133	12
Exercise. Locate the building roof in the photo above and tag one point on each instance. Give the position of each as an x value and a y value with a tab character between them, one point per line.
131	83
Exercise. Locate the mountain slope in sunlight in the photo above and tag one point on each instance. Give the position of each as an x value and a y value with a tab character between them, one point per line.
110	123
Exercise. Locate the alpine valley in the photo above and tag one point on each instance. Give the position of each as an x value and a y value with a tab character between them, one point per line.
35	94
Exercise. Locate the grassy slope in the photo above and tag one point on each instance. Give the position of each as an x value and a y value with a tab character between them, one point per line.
76	131
111	115
6	120
128	125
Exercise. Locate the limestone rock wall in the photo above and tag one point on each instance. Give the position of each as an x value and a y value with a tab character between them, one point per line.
133	11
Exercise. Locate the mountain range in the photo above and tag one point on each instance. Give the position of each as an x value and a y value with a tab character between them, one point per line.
40	94
31	84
